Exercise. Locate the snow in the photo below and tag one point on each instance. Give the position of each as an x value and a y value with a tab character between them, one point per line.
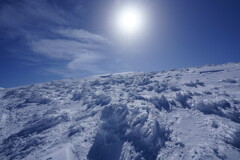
66	152
191	113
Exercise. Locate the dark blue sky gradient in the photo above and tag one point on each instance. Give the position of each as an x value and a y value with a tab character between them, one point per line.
46	40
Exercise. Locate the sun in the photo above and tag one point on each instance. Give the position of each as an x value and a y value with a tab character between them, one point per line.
130	20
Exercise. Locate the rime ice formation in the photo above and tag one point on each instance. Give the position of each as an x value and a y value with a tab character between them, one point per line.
180	114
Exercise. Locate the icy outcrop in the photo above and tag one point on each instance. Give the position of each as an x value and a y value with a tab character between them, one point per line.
183	114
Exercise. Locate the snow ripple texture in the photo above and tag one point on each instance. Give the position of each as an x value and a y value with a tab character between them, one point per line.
180	114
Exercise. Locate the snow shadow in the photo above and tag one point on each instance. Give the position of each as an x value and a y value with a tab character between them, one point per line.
109	139
117	130
20	144
221	108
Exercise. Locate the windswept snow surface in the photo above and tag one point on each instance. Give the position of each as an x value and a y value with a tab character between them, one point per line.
180	114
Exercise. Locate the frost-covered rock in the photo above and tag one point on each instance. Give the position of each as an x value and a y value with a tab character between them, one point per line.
181	114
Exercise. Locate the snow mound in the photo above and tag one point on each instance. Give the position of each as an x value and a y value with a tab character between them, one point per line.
181	114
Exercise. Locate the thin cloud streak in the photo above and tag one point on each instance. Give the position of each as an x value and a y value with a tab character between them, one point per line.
61	48
51	33
83	35
85	52
27	13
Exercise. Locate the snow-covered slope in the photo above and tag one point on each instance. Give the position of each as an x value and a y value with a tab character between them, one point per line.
180	114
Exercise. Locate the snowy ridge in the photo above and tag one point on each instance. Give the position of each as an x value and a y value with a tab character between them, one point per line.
189	113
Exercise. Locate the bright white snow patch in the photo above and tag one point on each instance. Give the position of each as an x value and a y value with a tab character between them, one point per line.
181	114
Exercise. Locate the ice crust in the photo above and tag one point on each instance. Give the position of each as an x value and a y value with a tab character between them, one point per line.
181	114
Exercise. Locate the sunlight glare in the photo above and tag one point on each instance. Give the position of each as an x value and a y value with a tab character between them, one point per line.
130	20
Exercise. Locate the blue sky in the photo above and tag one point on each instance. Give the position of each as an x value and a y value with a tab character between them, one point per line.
44	40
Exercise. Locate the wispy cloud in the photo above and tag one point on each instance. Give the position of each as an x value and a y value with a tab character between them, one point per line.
61	48
83	35
87	62
85	52
37	13
52	30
